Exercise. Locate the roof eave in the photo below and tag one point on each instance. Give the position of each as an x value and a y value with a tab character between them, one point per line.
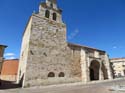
86	47
4	46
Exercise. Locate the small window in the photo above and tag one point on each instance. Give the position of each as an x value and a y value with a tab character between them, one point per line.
47	14
123	65
54	16
51	74
51	5
119	75
31	52
61	74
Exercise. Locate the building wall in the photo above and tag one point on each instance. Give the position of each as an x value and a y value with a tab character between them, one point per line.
1	51
75	55
24	53
118	66
1	57
9	70
11	78
45	53
2	48
48	52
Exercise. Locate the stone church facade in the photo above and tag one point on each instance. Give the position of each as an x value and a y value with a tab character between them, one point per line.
48	59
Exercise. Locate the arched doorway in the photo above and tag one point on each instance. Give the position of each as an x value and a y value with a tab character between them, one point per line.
94	70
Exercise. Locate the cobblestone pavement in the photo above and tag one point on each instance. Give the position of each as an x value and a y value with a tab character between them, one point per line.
104	87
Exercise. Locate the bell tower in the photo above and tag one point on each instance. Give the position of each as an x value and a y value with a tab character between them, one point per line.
43	46
50	10
52	3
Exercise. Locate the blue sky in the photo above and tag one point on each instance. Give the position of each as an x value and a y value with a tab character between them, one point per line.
95	23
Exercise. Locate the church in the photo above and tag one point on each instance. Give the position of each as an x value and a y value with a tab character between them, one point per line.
48	59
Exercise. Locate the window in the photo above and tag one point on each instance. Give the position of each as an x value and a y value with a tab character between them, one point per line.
31	52
51	5
119	75
123	65
51	74
47	14
54	16
61	74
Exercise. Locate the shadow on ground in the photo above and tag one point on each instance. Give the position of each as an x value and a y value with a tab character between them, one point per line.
8	85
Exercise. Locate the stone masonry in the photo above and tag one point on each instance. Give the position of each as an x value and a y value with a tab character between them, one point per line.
46	58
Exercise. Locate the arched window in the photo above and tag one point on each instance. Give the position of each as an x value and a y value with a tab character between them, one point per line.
47	14
51	74
54	16
61	74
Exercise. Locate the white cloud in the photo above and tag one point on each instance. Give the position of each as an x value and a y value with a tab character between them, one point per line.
9	54
73	34
115	47
10	58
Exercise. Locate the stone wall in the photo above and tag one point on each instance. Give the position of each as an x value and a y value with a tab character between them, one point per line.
24	53
75	54
86	56
48	52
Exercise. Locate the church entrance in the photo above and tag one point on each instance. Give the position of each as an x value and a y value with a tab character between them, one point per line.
94	70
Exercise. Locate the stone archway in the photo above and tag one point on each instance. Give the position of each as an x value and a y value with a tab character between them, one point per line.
94	70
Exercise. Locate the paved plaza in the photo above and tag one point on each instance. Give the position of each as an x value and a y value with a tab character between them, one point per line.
105	87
